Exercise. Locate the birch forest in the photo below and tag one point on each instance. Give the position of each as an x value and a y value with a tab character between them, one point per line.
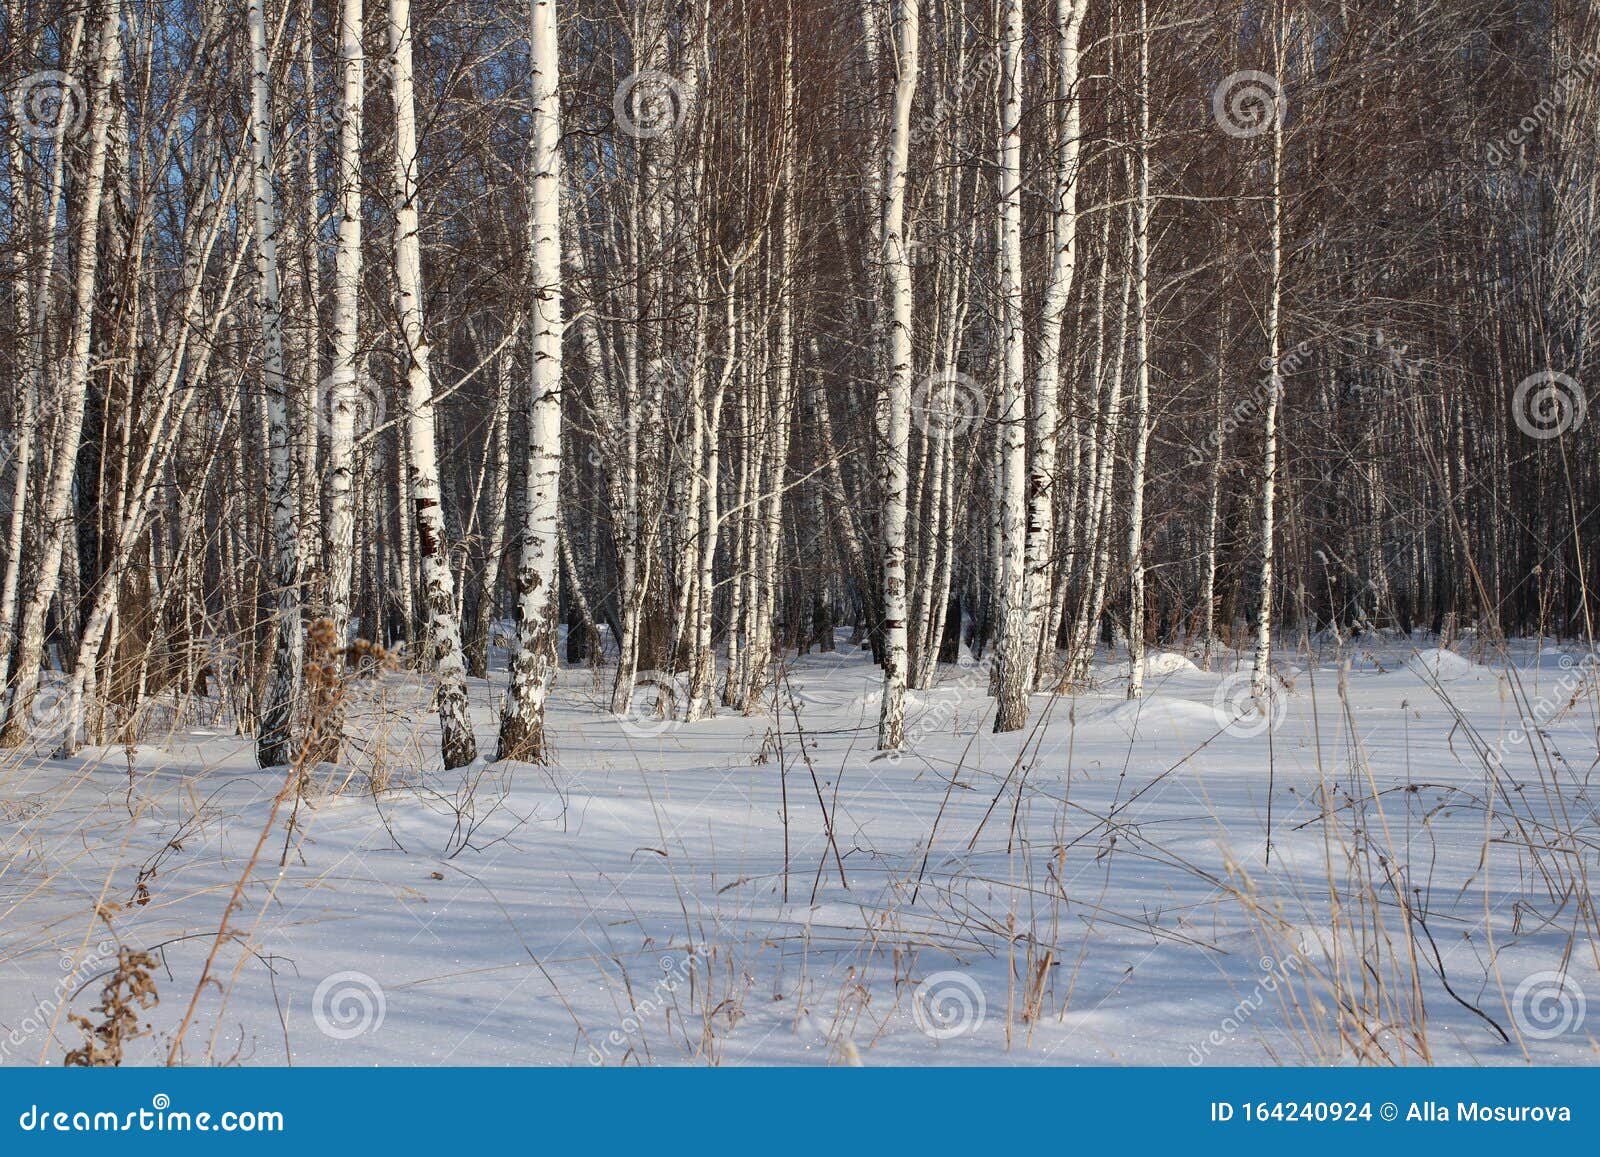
466	406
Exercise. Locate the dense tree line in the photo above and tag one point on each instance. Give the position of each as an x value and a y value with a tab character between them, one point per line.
706	329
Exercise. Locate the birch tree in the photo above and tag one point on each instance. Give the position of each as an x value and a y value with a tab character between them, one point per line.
343	396
457	744
1044	470
765	341
533	662
1140	415
896	336
1261	678
57	497
1012	677
274	739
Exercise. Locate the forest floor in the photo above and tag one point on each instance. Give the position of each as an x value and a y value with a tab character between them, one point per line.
1393	866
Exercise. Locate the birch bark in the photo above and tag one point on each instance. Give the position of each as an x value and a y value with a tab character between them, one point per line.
1045	467
1141	369
898	354
1261	678
342	395
533	665
457	744
1011	657
57	496
274	736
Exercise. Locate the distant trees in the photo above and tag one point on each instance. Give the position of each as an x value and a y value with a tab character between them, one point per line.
980	332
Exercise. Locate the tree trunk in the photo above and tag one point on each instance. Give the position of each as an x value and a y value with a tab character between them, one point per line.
1012	678
1141	385
29	652
1261	679
533	664
898	363
458	747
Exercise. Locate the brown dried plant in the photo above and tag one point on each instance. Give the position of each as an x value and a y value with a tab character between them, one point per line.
129	991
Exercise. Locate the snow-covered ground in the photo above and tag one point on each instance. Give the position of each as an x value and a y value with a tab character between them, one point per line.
1171	881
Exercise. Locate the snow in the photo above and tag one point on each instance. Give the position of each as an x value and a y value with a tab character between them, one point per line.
1103	887
1167	663
1438	663
1159	663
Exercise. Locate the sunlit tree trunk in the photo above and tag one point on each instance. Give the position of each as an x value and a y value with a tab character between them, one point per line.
1261	679
1012	678
898	363
273	739
457	745
533	664
1044	470
1141	381
71	390
343	394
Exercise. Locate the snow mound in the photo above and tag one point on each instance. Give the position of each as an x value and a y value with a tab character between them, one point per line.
1167	663
1437	663
1160	663
1151	715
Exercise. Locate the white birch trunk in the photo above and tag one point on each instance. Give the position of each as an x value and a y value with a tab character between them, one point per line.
703	662
274	733
18	453
1261	679
533	665
495	542
176	370
1013	650
1101	469
343	399
1141	384
457	745
1208	578
56	507
898	364
1045	467
308	250
32	429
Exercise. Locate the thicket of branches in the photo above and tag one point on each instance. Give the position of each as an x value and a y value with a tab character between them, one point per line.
1013	326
